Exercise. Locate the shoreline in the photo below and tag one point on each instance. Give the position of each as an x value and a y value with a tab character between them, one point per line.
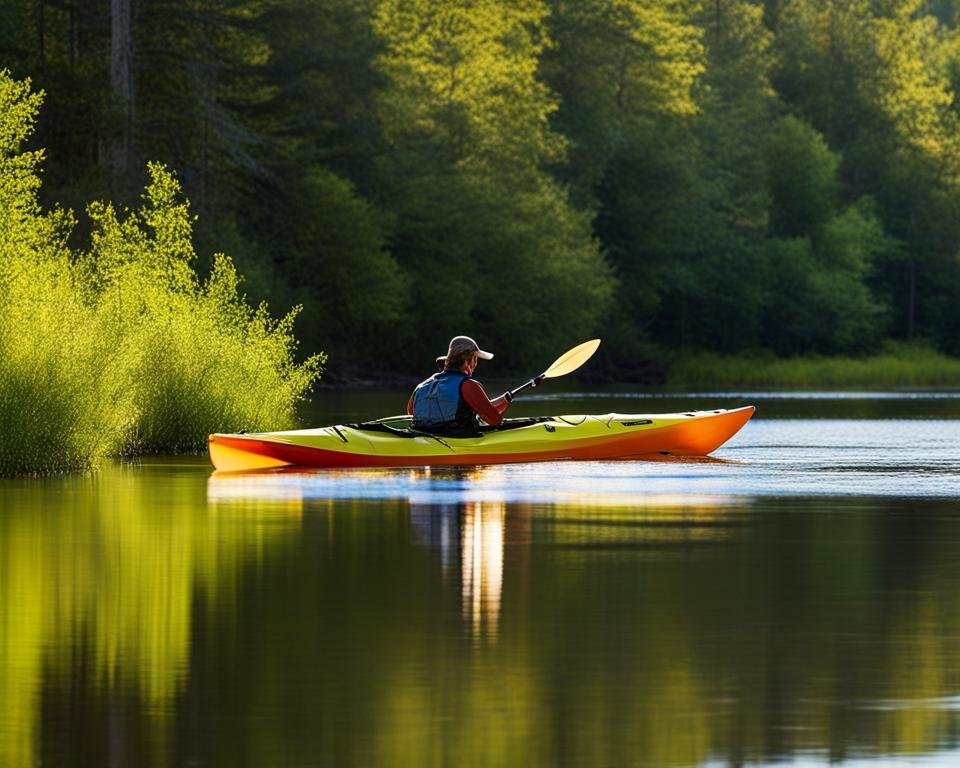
898	367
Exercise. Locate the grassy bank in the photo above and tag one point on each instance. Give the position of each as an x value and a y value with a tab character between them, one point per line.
898	366
123	348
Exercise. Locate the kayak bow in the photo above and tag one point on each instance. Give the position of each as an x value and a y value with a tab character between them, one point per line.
390	442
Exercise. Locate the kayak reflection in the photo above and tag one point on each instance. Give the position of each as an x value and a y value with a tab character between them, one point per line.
469	517
627	483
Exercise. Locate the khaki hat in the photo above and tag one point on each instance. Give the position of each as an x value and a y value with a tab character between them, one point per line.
465	344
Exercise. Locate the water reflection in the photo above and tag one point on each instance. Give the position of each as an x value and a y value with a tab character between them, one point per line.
469	539
647	483
482	567
155	617
98	580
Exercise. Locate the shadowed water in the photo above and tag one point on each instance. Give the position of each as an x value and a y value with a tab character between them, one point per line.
793	600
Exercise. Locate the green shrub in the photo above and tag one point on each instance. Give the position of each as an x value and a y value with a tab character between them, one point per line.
198	358
123	348
60	406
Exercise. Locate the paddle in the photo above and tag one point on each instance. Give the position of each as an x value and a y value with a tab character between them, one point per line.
568	362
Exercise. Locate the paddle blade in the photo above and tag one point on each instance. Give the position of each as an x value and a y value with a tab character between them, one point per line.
573	359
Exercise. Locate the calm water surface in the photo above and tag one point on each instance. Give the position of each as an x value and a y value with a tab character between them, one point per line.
795	600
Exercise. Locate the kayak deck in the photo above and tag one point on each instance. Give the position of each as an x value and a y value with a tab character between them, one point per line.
387	444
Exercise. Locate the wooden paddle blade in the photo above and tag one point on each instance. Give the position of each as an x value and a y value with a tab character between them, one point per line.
573	359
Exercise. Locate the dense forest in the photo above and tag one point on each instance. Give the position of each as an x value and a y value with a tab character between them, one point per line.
717	174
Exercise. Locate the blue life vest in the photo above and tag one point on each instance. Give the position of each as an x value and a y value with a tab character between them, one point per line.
437	404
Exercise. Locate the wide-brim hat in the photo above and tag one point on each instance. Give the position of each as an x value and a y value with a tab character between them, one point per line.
460	344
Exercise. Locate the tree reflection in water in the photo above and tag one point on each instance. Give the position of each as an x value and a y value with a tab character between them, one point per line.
163	619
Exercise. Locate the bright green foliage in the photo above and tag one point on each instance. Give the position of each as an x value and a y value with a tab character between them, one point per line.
199	360
907	79
493	244
60	407
463	78
24	230
123	348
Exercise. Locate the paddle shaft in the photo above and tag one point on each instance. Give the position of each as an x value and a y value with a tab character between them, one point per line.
532	383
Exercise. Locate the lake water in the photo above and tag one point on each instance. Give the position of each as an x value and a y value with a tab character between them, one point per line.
793	600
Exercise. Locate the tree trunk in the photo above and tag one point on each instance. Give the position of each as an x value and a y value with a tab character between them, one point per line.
121	78
41	33
911	297
74	34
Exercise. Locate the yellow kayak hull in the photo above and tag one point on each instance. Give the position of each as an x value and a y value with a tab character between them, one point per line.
608	436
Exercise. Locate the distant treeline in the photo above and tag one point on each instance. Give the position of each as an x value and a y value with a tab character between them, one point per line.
668	174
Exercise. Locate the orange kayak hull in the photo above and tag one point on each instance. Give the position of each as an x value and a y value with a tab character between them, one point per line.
591	437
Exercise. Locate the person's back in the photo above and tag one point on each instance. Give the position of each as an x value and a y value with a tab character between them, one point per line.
450	401
438	404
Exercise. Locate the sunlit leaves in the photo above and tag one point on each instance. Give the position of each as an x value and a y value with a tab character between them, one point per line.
199	359
464	76
492	242
123	347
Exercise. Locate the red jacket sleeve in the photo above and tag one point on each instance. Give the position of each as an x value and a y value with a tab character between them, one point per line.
476	398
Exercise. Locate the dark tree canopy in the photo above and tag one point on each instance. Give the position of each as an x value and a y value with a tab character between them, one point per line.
731	175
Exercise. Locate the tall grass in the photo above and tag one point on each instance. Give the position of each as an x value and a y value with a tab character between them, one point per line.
898	366
60	406
122	348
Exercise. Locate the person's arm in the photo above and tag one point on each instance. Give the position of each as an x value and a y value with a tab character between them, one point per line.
489	411
410	406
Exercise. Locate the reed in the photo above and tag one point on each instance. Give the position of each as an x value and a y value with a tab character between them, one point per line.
899	365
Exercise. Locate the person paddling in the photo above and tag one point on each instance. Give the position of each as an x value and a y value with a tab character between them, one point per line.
450	402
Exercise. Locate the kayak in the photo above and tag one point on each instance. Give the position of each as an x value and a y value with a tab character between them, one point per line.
392	443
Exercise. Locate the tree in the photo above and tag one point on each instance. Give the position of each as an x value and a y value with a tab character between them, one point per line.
121	78
626	73
875	79
491	241
802	178
622	68
820	255
713	289
355	295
